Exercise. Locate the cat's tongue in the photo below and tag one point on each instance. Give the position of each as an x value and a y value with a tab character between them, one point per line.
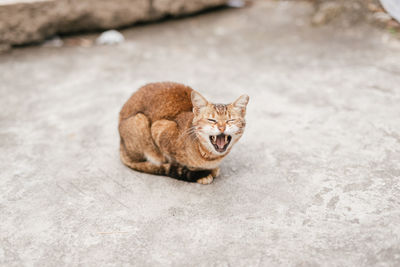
221	141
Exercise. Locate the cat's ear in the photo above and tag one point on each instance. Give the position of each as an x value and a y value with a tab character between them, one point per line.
241	103
198	102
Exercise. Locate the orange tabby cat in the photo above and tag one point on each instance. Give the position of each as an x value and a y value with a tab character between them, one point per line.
170	129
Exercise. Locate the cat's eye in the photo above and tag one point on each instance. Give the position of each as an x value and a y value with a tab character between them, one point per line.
230	120
211	120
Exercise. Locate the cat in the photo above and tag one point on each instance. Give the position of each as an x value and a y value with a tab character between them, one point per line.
170	129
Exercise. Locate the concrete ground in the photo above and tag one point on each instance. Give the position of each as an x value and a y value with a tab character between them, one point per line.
313	182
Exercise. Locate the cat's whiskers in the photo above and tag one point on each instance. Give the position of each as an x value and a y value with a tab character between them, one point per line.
191	131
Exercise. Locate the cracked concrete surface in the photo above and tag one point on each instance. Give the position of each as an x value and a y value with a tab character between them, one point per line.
313	182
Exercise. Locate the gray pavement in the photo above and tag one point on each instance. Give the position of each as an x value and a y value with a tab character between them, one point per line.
313	182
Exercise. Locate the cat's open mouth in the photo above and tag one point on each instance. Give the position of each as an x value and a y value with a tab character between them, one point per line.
220	142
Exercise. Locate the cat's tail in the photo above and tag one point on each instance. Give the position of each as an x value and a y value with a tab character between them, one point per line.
183	173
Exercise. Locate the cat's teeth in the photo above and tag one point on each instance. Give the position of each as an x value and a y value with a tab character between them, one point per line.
226	139
213	137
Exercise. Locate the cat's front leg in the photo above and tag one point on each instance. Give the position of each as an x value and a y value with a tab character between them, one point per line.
215	172
165	133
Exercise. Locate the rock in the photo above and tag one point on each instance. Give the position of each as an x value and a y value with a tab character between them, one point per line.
392	7
326	12
23	22
374	8
4	48
381	17
161	8
110	37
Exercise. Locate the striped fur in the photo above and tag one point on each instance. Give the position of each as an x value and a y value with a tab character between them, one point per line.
170	129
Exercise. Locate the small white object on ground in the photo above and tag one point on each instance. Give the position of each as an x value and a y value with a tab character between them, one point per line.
110	37
392	7
236	3
55	41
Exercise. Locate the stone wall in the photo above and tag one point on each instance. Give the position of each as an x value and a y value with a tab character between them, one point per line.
23	22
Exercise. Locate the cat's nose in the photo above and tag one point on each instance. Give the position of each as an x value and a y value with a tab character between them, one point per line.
221	128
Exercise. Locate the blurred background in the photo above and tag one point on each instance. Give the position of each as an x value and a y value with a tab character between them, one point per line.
313	182
25	22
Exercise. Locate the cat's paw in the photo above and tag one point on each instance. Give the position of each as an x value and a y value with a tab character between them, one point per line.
206	180
215	172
